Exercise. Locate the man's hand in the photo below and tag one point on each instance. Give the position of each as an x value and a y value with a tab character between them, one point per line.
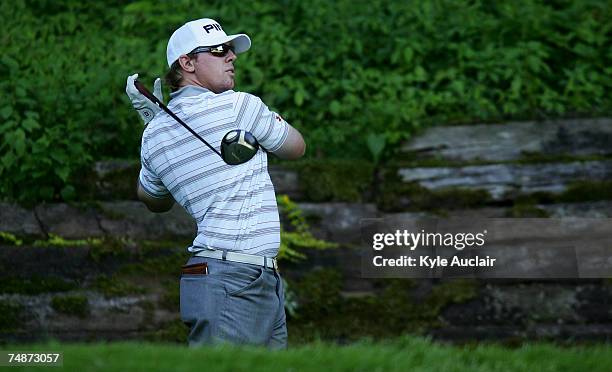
146	109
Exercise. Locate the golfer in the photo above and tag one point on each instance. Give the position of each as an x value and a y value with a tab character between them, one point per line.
230	289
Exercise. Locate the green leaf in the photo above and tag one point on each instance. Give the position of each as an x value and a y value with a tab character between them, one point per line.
376	144
45	193
30	124
6	112
10	63
19	147
335	107
298	97
68	192
62	173
408	54
420	74
8	160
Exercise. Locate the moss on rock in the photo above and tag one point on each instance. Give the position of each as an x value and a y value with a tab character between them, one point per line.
396	196
54	240
174	331
454	291
110	247
337	180
12	315
323	313
587	191
113	286
36	285
75	305
7	238
526	207
166	264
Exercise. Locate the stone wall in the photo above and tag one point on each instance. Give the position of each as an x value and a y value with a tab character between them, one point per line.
116	265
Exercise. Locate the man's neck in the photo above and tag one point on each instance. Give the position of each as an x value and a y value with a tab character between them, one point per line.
188	80
188	90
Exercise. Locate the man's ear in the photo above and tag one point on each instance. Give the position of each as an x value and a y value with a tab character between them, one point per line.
187	63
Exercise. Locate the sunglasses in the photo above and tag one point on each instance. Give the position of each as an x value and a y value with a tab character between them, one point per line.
217	50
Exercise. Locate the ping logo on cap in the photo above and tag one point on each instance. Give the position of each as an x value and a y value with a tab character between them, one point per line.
211	26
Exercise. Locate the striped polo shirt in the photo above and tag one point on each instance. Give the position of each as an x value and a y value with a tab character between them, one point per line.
234	205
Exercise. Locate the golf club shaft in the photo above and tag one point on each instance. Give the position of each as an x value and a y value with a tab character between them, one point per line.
142	89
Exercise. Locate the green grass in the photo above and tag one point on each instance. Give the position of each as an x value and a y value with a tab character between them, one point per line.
407	353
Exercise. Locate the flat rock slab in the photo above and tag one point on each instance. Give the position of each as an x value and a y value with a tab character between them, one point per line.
107	318
79	221
69	221
495	142
285	181
116	179
338	222
504	181
133	219
599	209
19	221
71	263
537	309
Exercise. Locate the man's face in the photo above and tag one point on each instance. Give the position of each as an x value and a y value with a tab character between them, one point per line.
214	72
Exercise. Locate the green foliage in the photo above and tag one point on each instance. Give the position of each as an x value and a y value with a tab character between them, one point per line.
299	237
291	302
451	292
10	239
174	331
35	284
376	144
113	286
319	294
339	71
57	241
396	195
76	305
578	191
587	191
525	207
158	265
99	249
325	313
171	299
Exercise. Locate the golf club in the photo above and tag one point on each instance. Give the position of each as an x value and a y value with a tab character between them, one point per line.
238	146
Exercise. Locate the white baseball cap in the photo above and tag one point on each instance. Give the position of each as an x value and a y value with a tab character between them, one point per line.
202	32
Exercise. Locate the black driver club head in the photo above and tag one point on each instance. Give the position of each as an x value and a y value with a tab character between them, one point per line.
238	146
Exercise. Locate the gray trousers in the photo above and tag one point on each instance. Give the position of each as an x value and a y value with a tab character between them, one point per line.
235	303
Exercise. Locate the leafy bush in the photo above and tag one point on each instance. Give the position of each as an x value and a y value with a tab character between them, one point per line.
342	72
298	236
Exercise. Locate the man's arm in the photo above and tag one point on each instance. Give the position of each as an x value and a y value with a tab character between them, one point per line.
294	146
156	205
270	128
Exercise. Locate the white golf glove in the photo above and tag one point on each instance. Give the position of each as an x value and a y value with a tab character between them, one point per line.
146	109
